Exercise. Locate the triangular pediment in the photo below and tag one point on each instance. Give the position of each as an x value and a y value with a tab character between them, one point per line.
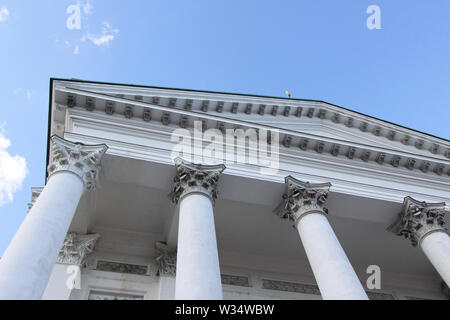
307	125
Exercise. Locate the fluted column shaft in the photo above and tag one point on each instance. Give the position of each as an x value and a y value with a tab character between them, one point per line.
304	204
26	266
198	271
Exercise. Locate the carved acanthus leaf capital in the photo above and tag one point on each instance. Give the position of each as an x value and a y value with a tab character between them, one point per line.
35	193
419	219
76	248
80	159
166	259
195	178
302	198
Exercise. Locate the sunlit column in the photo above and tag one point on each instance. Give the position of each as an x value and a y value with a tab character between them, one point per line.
423	224
66	273
198	272
26	266
304	203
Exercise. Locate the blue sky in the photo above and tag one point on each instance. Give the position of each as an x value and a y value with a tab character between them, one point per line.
317	49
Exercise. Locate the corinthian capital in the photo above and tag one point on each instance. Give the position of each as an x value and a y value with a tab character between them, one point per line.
76	248
302	198
167	260
35	193
419	219
80	159
195	178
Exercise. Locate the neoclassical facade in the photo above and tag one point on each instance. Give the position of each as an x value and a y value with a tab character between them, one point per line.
159	193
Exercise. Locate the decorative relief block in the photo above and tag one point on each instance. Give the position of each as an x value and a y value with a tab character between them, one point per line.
188	105
172	102
155	100
121	267
274	110
391	135
287	111
406	140
290	287
336	118
80	159
128	113
335	150
439	169
90	104
380	296
205	105
349	123
395	162
304	144
147	115
165	118
377	131
363	126
109	108
319	147
419	219
248	108
235	280
380	158
71	101
322	114
287	141
414	298
219	107
76	248
351	152
195	178
234	107
425	167
262	108
102	295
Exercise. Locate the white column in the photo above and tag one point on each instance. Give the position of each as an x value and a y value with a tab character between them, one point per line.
167	264
198	272
304	204
423	224
27	263
66	273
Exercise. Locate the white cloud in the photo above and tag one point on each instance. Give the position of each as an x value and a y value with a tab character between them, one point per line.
76	50
23	92
4	14
108	35
13	170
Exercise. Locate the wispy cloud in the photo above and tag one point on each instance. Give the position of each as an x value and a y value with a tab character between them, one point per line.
108	34
25	92
76	50
13	170
4	14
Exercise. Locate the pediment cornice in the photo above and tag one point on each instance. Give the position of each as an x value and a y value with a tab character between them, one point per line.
374	141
